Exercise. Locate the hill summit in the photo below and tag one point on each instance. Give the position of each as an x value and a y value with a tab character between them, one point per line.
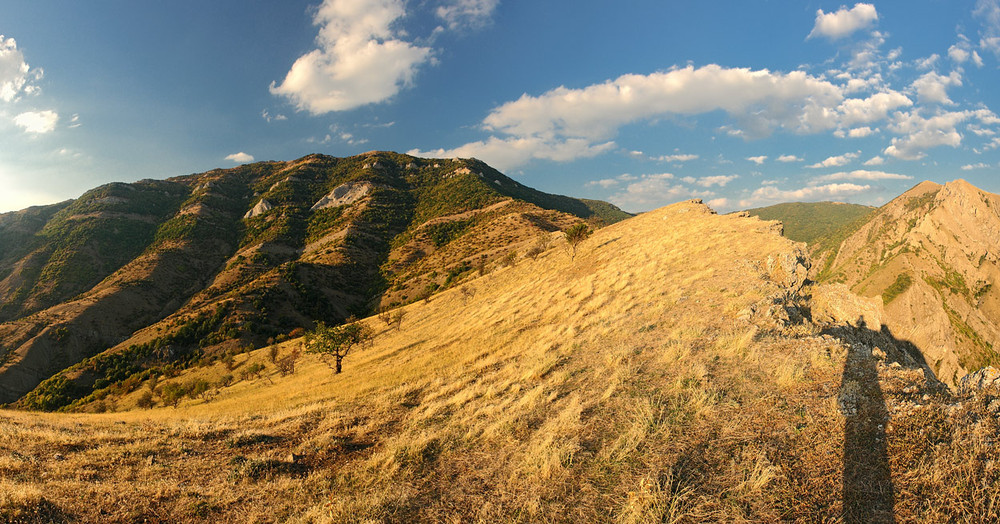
931	254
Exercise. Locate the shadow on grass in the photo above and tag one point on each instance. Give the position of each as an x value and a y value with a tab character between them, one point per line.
868	494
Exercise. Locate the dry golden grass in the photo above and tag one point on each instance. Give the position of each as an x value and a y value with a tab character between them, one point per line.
618	386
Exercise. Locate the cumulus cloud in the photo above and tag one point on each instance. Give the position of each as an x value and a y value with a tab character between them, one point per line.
716	180
988	13
933	88
361	59
789	158
466	13
510	152
770	193
757	159
843	22
927	63
679	157
15	75
37	122
861	132
970	167
583	121
874	108
240	158
920	133
652	191
874	161
835	161
718	203
860	174
612	182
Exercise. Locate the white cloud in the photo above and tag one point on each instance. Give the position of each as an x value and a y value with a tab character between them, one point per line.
861	132
988	13
761	100
769	193
266	115
581	121
958	54
361	60
920	133
932	87
625	177
38	122
680	157
466	13
789	158
240	158
716	180
15	75
980	131
718	203
653	191
970	167
510	152
757	159
927	63
860	174
844	21
876	107
874	161
835	161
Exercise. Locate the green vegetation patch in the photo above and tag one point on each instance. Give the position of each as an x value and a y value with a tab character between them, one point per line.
811	221
444	232
902	283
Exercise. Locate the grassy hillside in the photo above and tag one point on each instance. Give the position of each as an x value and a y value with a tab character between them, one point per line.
646	380
811	221
138	279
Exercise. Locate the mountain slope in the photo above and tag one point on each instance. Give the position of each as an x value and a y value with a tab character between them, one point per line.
931	254
160	274
809	222
665	373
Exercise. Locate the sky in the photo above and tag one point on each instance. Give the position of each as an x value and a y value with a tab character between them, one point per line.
640	103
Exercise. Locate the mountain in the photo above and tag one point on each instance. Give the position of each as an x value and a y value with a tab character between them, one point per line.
931	254
678	368
134	279
810	222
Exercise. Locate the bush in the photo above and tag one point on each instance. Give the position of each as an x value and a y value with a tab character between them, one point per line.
172	393
145	400
577	234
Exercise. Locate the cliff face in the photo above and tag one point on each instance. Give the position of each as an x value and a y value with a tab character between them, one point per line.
931	255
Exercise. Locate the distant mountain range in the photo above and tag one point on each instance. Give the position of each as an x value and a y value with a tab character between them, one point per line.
136	278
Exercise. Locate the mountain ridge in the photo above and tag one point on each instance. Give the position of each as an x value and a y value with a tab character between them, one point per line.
200	261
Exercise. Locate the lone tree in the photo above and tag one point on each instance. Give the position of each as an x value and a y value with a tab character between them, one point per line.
336	341
577	234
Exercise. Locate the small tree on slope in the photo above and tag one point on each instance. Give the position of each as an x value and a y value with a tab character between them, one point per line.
577	234
336	341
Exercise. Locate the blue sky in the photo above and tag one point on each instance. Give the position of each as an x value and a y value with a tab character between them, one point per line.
640	103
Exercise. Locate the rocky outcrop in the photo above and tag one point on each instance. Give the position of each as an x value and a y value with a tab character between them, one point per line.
262	207
987	377
343	195
836	304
